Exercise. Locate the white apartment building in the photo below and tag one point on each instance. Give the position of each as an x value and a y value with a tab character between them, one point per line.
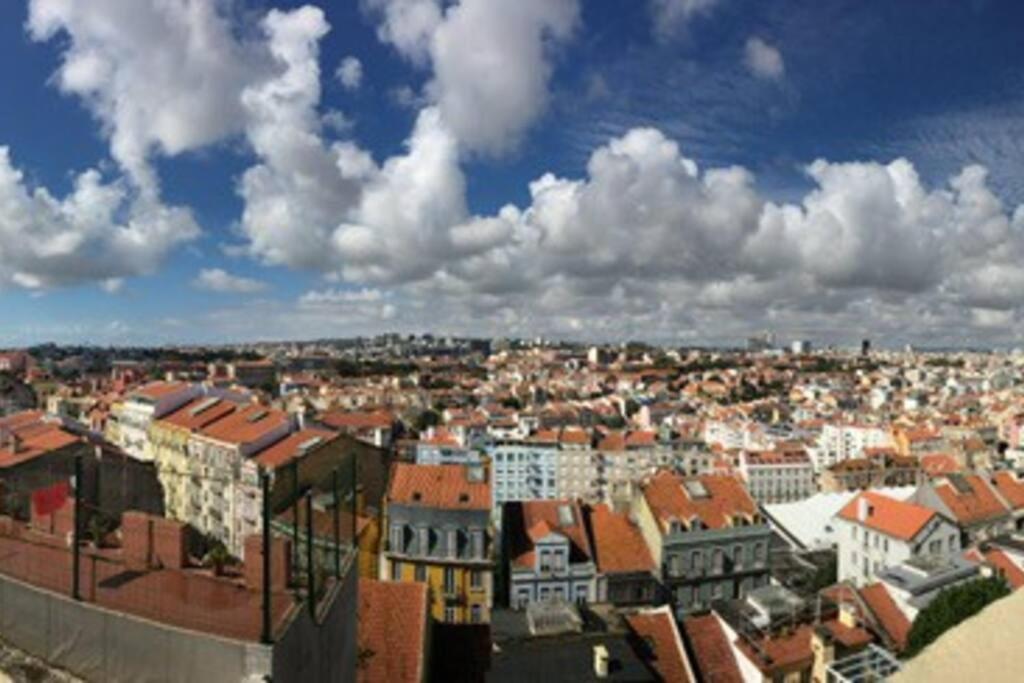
876	532
778	476
523	470
218	504
129	428
839	442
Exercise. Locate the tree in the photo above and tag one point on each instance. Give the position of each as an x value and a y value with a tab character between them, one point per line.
951	607
428	418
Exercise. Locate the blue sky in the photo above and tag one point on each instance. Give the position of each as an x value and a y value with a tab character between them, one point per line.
936	83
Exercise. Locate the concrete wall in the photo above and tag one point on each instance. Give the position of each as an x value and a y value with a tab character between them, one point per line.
101	645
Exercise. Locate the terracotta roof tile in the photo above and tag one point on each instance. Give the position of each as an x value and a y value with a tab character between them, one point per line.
618	543
199	413
658	629
889	516
1010	488
888	615
288	448
978	504
246	425
392	631
713	654
440	486
726	499
537	519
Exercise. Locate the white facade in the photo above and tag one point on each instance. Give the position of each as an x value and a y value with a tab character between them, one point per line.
841	442
523	471
139	410
864	551
783	481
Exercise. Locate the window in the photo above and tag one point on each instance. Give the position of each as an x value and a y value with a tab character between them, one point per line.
452	542
396	541
716	560
450	615
396	571
477	537
420	573
885	545
952	544
475	614
476	579
449	580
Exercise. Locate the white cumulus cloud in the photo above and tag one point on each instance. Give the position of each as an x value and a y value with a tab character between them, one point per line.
219	280
763	60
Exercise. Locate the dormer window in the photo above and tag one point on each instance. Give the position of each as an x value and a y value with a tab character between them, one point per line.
417	496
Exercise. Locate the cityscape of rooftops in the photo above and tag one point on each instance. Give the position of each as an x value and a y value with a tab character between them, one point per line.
397	341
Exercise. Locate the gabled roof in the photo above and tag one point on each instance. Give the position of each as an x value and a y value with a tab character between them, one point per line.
969	498
28	440
438	486
392	630
618	544
292	446
199	413
155	391
657	628
530	521
377	419
246	424
888	616
895	518
714	659
673	497
1010	487
1002	562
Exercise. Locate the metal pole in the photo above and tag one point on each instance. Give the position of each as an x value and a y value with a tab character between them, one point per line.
337	524
295	515
267	636
76	525
353	488
310	587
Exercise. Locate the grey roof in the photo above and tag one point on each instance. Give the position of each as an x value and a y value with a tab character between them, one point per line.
566	659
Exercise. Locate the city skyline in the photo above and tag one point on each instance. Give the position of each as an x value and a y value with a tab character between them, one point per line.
680	171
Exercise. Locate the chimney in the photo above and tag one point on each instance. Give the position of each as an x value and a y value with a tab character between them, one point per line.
601	661
863	509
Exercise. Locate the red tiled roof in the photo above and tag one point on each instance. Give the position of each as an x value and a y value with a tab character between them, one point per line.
977	505
392	631
246	424
1007	567
288	448
892	620
33	439
727	498
158	390
854	637
1010	488
713	655
618	543
889	516
939	463
658	628
190	417
540	518
377	419
782	653
439	486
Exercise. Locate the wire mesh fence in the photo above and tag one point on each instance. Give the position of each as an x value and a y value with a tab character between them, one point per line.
80	531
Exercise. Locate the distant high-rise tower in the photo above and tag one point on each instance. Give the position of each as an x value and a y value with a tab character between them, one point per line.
865	347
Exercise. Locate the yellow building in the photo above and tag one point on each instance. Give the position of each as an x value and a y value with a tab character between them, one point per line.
438	531
169	443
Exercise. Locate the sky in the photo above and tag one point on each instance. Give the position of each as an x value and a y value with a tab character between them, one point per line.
678	171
